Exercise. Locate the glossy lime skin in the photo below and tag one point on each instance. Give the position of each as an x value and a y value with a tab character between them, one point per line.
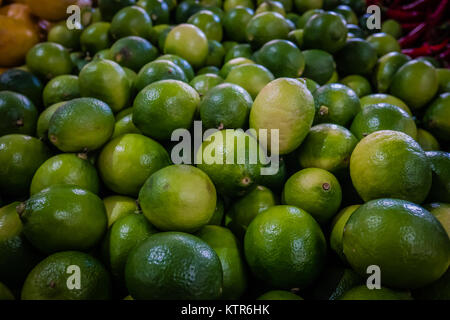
125	234
23	82
108	8
106	81
229	251
364	293
62	35
159	70
335	103
382	116
70	169
243	50
61	88
124	126
426	140
17	113
383	98
436	117
16	166
133	52
325	31
357	83
194	51
440	165
266	26
216	54
390	164
44	120
235	21
416	83
392	27
383	43
95	38
205	82
157	10
386	68
319	65
209	23
314	190
233	63
131	21
155	267
118	207
357	56
48	60
156	116
64	217
17	256
178	198
252	77
80	125
182	63
282	58
337	229
95	281
407	242
127	161
327	146
225	106
291	254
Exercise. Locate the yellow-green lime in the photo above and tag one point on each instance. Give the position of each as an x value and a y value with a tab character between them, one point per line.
252	77
118	207
337	229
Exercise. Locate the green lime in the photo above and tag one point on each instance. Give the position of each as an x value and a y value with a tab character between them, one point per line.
437	117
157	10
17	167
5	293
433	61
79	60
125	234
310	84
416	83
426	140
108	8
44	120
124	112
354	31
386	68
186	9
157	116
390	164
347	12
156	269
118	207
444	80
305	5
48	60
124	126
325	31
178	198
235	21
383	43
364	293
266	26
296	37
228	249
319	65
335	103
82	124
232	159
208	69
245	209
404	240
293	17
300	24
438	290
61	34
440	166
50	279
209	23
314	190
383	98
63	217
159	70
334	78
127	161
357	83
182	63
96	37
61	88
103	54
195	51
106	81
285	105
233	63
216	54
218	214
157	31
382	116
357	56
23	82
337	229
18	114
275	181
232	4
279	295
203	83
327	146
252	77
133	52
17	256
282	58
285	247
225	106
392	27
243	50
69	169
442	212
334	282
271	6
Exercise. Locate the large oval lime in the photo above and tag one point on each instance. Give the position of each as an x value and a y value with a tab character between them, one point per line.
18	114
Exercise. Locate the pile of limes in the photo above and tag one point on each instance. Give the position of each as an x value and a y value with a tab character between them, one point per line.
97	200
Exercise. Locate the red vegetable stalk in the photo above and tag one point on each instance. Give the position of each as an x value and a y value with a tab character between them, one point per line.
413	35
407	16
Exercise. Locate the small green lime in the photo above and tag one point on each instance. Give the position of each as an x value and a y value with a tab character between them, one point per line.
48	60
61	88
18	114
131	21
